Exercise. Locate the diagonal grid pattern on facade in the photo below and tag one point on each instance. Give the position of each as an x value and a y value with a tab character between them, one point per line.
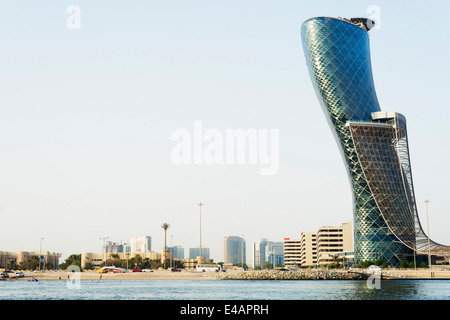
373	144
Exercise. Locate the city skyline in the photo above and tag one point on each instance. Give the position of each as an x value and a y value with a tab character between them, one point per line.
88	116
118	246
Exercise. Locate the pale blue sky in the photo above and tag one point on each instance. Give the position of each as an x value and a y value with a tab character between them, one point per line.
87	115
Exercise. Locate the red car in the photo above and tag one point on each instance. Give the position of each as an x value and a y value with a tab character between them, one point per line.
175	270
137	270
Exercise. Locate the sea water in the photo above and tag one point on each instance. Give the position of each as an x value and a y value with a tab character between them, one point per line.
225	290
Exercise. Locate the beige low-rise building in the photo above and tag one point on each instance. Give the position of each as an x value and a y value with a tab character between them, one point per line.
323	246
331	241
292	252
48	258
308	249
191	264
97	259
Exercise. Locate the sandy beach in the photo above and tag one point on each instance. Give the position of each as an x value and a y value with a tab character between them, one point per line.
94	275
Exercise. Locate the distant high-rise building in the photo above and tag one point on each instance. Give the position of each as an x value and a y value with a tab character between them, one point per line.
141	244
234	250
113	247
259	252
275	253
126	247
177	251
195	252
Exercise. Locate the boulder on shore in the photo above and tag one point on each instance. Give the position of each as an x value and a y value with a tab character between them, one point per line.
300	274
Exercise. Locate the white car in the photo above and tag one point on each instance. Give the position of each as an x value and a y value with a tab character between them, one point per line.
147	270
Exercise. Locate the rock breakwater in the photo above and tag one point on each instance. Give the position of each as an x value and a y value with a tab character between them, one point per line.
301	274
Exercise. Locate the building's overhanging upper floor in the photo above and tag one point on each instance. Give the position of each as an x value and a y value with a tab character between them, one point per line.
363	23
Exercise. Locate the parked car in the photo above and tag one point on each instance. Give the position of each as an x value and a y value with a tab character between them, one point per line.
147	270
175	270
20	274
137	270
9	274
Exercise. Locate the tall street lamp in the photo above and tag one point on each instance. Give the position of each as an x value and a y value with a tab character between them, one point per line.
171	250
104	256
40	254
200	207
128	258
428	231
243	248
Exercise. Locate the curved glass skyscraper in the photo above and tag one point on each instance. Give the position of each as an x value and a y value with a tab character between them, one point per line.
373	143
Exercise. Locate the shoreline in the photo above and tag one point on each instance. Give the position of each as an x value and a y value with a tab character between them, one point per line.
303	274
93	275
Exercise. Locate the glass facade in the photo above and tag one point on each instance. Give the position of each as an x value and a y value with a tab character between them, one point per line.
234	250
373	143
195	252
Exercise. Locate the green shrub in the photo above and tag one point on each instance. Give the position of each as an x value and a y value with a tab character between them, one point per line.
403	264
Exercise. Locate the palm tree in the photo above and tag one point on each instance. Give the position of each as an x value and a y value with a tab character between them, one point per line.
114	259
336	258
165	226
137	259
114	256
